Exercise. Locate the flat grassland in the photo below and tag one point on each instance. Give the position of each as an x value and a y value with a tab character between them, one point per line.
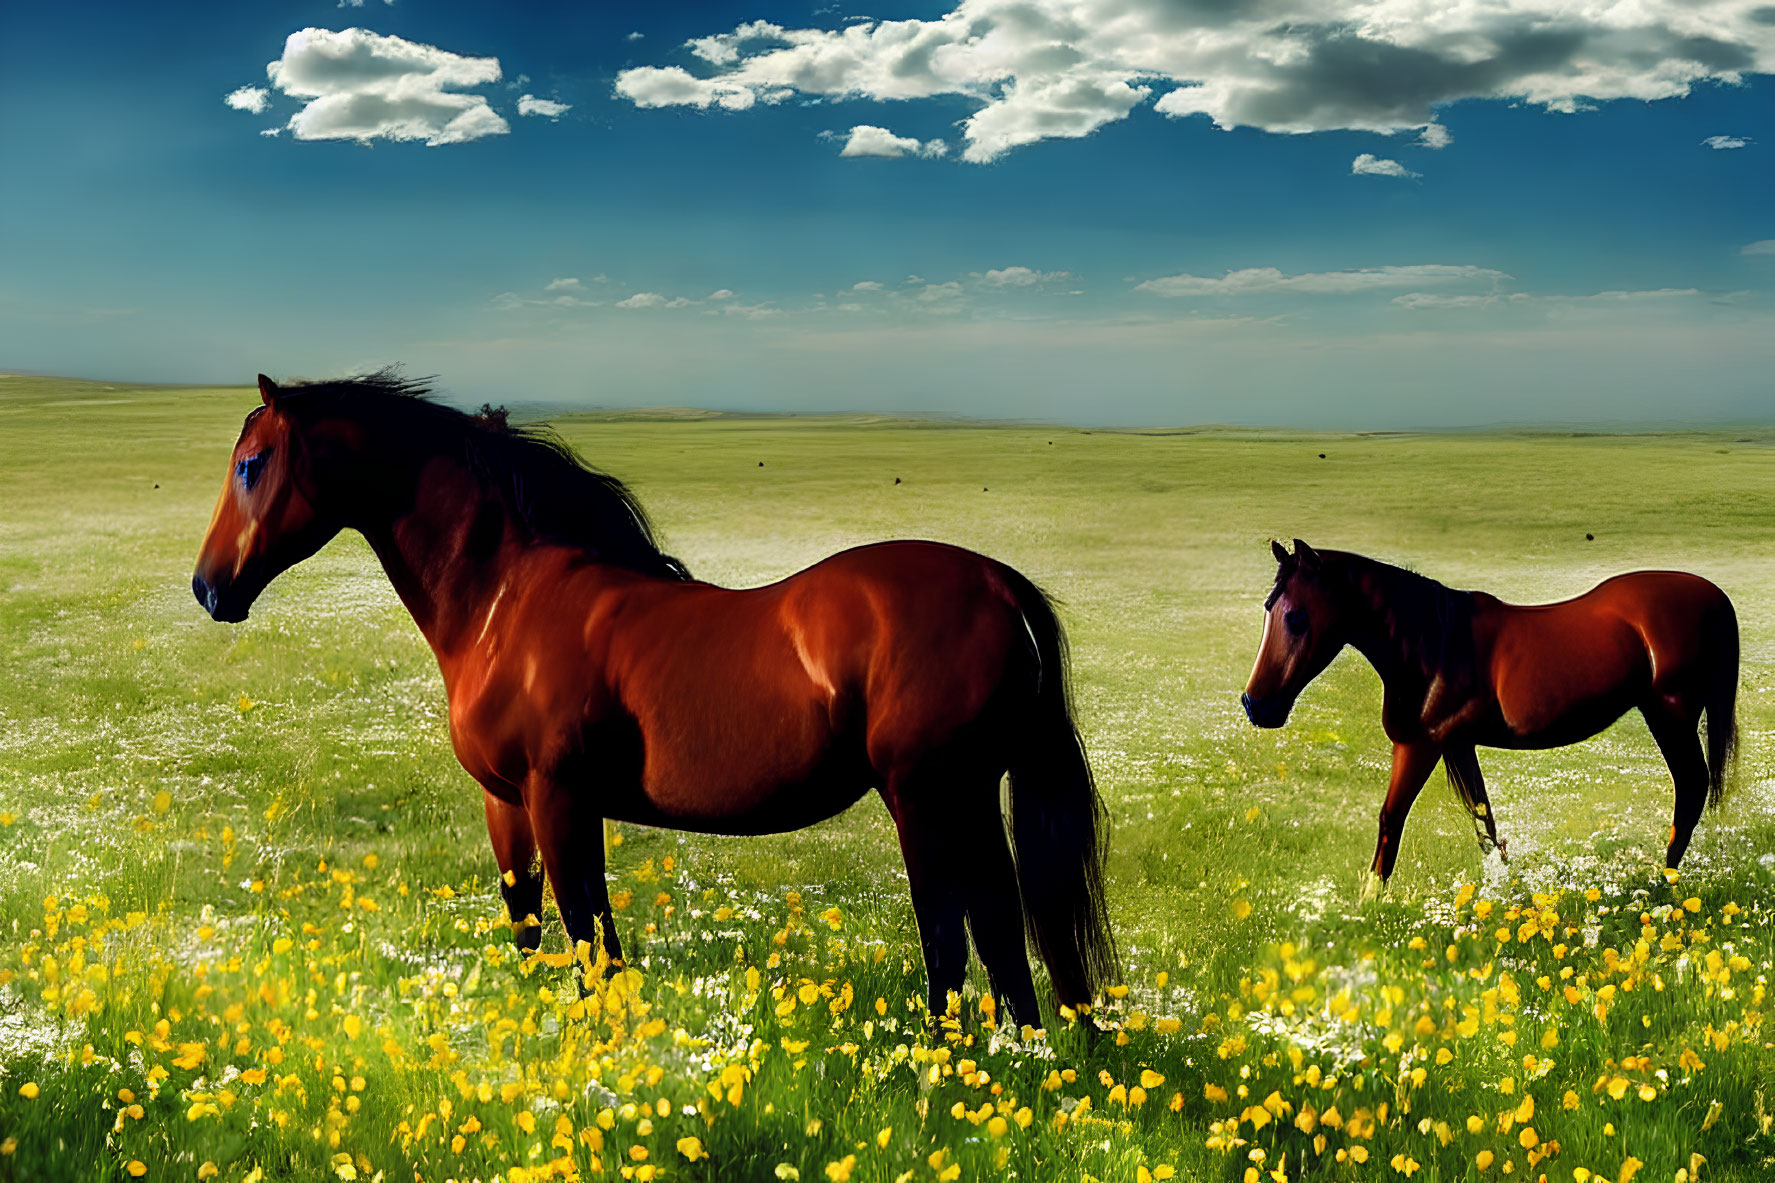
251	927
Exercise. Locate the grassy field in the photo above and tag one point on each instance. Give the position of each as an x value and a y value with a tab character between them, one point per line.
253	933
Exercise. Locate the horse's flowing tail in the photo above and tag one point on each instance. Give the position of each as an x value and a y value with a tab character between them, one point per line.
1722	700
1058	821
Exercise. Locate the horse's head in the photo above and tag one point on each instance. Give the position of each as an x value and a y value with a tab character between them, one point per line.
1301	634
270	515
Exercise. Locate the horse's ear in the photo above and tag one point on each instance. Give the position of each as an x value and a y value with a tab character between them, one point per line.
1281	553
1305	555
268	390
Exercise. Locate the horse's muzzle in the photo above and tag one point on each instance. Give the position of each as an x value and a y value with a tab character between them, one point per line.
220	607
1266	712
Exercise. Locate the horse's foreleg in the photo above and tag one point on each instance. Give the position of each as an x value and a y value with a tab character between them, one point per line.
1462	763
570	837
520	879
1412	765
1680	742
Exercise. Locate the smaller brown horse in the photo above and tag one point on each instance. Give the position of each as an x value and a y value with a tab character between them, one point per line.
589	676
1463	669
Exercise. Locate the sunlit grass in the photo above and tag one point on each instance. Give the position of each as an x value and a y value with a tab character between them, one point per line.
250	926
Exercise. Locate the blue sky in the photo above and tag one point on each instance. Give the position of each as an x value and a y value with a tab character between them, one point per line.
1379	214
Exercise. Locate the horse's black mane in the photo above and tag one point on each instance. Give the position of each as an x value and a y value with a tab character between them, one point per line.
1430	623
555	494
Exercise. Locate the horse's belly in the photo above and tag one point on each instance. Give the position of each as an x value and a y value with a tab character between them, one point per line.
1551	720
752	807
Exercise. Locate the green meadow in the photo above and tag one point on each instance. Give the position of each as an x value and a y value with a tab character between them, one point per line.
249	926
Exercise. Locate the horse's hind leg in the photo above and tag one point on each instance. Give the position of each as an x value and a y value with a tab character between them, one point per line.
995	912
934	871
1675	729
1462	763
520	879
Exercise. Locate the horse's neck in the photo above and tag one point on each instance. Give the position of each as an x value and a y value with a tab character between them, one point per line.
1410	644
1372	635
442	551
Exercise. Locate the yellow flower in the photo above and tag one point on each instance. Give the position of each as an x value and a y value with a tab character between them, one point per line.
1150	1079
137	1167
840	1172
1241	908
692	1148
882	1139
28	1090
207	1170
1483	1160
1630	1168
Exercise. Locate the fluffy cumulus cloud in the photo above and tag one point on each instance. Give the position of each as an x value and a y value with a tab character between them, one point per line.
1022	277
1320	283
252	99
1047	69
1367	165
867	140
529	104
1722	143
1435	135
364	86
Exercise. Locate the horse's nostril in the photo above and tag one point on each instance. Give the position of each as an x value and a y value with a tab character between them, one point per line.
206	595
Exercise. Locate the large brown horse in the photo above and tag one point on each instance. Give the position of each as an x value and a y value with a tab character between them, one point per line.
590	677
1463	669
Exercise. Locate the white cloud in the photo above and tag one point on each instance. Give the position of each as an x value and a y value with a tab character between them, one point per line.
875	285
1719	143
1425	301
1367	165
1763	247
868	140
1417	301
253	99
1435	135
721	294
529	104
750	311
634	36
650	86
1045	69
655	300
364	86
1022	277
569	284
1318	283
939	293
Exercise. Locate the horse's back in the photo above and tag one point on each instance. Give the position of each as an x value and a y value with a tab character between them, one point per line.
1564	671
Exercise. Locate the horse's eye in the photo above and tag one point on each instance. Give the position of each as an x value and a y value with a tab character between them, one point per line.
1296	620
251	468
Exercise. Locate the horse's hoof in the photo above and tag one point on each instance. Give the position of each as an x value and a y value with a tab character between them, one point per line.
1373	888
1503	852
